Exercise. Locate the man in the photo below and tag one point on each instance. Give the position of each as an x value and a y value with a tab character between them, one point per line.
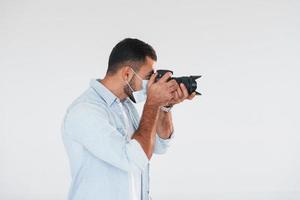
108	144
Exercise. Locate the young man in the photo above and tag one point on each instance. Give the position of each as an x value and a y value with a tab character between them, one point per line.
108	144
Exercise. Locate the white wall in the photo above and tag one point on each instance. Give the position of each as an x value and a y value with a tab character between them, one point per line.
240	140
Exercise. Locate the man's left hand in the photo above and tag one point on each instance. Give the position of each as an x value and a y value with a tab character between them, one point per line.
181	94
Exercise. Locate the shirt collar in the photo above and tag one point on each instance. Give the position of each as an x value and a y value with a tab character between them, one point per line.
105	93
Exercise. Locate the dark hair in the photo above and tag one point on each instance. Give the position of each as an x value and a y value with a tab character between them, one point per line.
129	51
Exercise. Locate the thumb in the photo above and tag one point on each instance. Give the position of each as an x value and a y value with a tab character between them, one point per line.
152	79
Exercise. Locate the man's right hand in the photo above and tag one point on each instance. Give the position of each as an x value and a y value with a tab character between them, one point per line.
161	92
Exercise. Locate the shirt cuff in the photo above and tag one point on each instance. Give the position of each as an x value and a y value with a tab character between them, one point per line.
137	154
166	141
161	145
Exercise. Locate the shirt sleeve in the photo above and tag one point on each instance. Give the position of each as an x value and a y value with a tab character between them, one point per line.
88	125
162	145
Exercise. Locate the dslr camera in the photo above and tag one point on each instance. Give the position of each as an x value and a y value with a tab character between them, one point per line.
189	81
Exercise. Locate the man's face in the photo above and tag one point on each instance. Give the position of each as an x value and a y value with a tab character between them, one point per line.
145	72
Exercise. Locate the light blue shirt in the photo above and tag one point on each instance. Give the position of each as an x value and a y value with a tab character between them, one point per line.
101	155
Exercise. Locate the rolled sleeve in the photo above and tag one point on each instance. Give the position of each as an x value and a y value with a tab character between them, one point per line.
136	154
162	145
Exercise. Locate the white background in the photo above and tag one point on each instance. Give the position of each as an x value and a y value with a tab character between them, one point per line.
239	140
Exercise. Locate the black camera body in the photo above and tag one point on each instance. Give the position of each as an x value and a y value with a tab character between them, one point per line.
189	81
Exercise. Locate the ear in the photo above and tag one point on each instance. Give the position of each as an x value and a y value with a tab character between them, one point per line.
126	73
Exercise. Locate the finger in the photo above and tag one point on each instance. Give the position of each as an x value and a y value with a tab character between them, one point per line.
171	98
184	90
180	93
173	101
173	88
176	96
152	79
171	82
192	96
165	77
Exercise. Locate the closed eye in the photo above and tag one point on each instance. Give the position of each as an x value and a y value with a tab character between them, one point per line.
149	75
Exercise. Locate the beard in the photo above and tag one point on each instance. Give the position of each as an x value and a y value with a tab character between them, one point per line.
128	91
